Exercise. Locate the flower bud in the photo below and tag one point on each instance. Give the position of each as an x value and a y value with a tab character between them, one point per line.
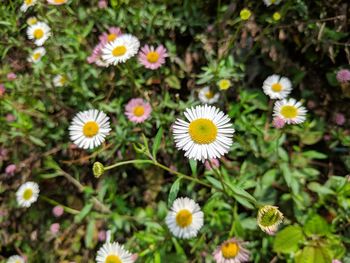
98	169
269	217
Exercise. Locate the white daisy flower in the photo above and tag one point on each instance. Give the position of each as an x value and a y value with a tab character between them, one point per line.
205	95
271	2
26	4
37	54
231	251
269	217
291	111
89	128
39	32
113	253
15	259
277	87
57	2
185	218
207	135
27	194
121	49
59	81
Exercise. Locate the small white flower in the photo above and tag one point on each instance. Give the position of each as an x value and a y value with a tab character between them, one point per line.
15	259
121	49
269	217
89	128
27	194
277	87
59	81
271	2
57	2
205	95
26	4
37	54
185	218
207	135
291	111
113	253
39	32
231	251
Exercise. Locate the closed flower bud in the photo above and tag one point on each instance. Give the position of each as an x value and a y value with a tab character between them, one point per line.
98	169
269	217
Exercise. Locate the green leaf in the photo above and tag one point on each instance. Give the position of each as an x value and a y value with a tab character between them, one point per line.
287	240
193	165
37	141
83	213
316	225
173	82
314	155
320	189
314	254
174	191
156	143
90	234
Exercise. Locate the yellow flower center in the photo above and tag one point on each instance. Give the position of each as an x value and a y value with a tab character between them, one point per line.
28	2
276	16
273	1
59	1
245	14
289	112
32	20
38	33
229	250
209	95
119	51
224	84
28	193
203	131
90	129
276	87
139	111
152	57
36	56
111	37
63	80
113	259
184	218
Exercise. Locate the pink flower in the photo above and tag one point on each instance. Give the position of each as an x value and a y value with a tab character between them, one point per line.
2	89
113	33
3	154
11	76
230	251
102	235
10	169
214	163
339	119
336	261
137	110
135	256
343	75
54	228
96	56
278	123
10	117
102	4
326	137
57	211
152	59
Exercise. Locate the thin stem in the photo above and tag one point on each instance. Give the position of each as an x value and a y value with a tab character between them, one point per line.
65	208
127	162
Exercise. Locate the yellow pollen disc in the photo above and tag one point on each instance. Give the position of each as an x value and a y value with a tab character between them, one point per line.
224	84
59	1
229	250
119	51
63	80
203	131
113	259
36	56
111	37
276	87
38	33
28	193
273	1
183	218
139	111
209	95
289	112
152	57
28	2
90	129
32	21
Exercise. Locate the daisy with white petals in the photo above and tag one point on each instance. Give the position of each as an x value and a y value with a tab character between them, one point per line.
39	32
27	194
59	81
89	128
26	4
15	259
37	55
271	2
205	95
207	135
113	253
121	49
231	251
57	2
185	218
277	87
291	111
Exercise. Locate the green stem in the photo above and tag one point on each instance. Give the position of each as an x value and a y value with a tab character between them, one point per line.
65	208
127	162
